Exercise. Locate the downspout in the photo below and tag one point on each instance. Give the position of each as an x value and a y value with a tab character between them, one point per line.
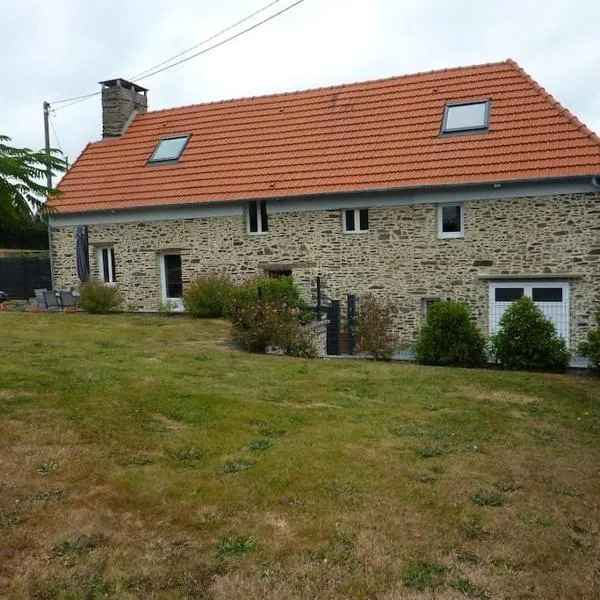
51	253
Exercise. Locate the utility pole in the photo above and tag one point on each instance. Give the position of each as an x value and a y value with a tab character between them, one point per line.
47	144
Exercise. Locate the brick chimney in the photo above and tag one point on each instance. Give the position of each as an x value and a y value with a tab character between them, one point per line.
121	101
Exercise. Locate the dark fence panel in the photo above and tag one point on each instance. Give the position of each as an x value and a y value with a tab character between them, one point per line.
20	276
333	328
352	323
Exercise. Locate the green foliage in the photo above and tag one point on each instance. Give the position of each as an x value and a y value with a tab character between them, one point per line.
272	319
591	347
236	546
375	327
487	497
21	190
528	341
99	298
208	296
450	337
421	575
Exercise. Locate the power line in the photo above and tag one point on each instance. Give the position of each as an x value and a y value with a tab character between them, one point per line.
67	102
54	132
208	39
229	39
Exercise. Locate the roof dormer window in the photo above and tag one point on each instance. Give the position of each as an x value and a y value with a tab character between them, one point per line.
469	117
169	149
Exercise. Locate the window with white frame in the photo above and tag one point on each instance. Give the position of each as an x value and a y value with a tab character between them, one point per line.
106	264
356	220
451	221
258	220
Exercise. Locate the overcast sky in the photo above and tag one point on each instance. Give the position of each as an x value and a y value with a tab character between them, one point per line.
59	49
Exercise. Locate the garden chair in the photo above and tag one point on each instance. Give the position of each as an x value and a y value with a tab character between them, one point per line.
50	300
39	297
67	299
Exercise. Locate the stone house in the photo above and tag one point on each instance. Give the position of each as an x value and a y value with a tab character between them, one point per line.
470	183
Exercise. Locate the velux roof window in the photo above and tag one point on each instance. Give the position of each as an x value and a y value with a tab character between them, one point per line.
466	116
169	149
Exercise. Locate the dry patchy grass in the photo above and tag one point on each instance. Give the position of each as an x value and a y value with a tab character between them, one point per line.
144	458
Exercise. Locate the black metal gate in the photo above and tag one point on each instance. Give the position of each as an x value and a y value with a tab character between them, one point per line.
20	276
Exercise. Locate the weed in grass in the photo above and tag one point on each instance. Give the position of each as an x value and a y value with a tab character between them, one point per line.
235	466
487	497
9	520
508	485
48	496
474	448
407	431
342	551
464	586
47	467
423	477
187	457
546	437
236	546
259	445
574	542
77	546
136	461
473	530
468	558
429	451
534	519
293	501
258	423
421	575
273	432
142	584
565	490
210	520
339	489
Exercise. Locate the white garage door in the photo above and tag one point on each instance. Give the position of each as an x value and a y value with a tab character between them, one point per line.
552	297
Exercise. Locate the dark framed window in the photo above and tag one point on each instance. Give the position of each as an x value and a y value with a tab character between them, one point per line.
450	220
547	294
466	116
258	219
278	273
356	220
172	271
508	294
169	149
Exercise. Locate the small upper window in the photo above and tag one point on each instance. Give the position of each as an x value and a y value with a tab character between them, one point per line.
450	221
169	149
468	116
356	220
258	219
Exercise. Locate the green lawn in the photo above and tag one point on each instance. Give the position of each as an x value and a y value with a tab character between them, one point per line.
148	458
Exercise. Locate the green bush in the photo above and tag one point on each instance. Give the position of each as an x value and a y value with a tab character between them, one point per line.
270	289
450	337
208	296
591	347
261	324
375	327
99	298
527	340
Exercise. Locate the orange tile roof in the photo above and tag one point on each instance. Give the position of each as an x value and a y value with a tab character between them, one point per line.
362	136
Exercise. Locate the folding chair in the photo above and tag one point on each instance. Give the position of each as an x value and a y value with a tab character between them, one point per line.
50	300
67	299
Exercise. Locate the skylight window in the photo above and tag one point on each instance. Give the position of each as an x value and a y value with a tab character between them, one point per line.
467	116
169	149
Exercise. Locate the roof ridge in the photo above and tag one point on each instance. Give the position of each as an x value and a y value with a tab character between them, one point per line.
324	88
554	102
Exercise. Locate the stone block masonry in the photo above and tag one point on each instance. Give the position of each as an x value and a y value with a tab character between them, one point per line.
400	257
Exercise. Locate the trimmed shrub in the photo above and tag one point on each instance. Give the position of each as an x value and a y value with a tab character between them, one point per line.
450	337
591	347
527	340
261	324
99	298
208	296
375	327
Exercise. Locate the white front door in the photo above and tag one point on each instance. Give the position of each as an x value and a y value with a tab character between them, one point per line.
171	282
551	297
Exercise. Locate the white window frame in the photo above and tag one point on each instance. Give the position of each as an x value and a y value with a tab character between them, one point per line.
111	259
528	286
356	212
259	220
440	221
174	304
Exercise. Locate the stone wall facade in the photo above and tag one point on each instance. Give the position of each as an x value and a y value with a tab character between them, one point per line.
400	257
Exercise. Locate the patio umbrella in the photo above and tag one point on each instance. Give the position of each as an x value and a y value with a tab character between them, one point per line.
83	258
